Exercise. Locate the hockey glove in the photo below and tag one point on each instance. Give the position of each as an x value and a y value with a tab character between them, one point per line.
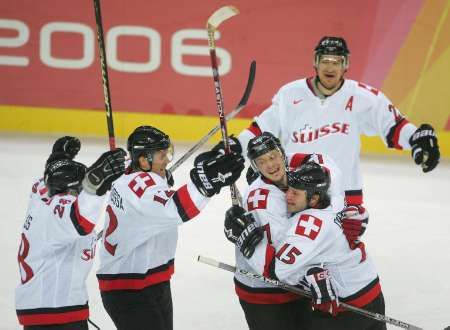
241	229
251	175
235	146
68	145
354	223
425	149
109	167
211	172
324	298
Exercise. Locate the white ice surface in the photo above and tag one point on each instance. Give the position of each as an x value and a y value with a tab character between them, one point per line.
408	236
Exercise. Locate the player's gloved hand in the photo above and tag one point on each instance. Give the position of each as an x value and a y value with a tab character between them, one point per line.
169	177
241	229
211	172
324	297
354	223
251	175
234	143
108	167
68	145
425	149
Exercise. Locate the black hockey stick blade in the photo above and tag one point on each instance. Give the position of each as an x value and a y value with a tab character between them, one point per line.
242	103
248	89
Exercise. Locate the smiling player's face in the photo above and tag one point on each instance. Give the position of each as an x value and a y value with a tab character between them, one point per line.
330	70
272	166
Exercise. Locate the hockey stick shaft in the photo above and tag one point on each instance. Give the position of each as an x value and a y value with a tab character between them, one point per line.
213	23
299	291
105	79
242	103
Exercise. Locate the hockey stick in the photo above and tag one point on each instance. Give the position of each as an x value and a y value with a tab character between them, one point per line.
106	93
242	103
219	16
301	292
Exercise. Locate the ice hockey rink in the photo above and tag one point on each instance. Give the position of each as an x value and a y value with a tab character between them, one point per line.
408	237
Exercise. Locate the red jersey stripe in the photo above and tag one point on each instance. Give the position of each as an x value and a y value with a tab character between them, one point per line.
186	202
87	226
264	298
136	284
53	318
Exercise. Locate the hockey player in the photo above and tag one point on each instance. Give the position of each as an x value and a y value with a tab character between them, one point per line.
57	244
265	306
314	252
140	235
328	113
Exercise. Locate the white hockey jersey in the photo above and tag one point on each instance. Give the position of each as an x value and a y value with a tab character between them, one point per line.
267	203
314	237
141	230
55	256
332	126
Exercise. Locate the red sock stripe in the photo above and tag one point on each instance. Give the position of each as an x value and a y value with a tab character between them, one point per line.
53	318
87	226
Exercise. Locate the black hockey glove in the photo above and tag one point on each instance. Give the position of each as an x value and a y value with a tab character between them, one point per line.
109	167
251	175
169	177
68	145
211	172
322	291
235	146
425	149
241	229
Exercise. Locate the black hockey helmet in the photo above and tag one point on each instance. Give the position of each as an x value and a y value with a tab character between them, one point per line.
63	175
312	178
332	46
262	144
144	141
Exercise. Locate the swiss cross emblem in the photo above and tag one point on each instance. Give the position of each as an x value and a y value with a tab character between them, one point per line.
140	183
308	226
257	199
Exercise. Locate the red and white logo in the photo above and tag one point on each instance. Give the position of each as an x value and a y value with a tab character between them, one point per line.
140	183
257	199
309	134
308	226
